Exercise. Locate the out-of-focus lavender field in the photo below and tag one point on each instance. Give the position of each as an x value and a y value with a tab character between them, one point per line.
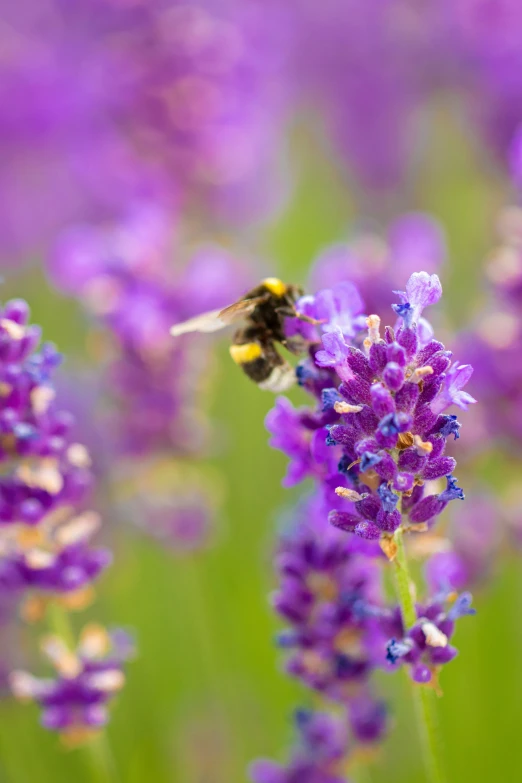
180	601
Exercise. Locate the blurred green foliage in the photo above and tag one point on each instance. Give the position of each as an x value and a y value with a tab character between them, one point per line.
206	694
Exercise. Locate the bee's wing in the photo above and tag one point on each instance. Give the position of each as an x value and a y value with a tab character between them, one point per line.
206	322
218	319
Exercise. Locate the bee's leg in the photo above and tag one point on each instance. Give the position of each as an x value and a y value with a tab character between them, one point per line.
291	312
287	311
309	320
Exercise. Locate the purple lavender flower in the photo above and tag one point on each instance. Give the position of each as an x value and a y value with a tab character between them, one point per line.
383	419
44	534
112	102
422	290
319	757
375	448
58	560
330	598
183	527
468	48
301	436
484	40
329	594
457	377
426	647
75	703
495	341
342	72
121	273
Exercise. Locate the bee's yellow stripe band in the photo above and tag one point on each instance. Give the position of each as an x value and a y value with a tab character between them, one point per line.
243	354
275	286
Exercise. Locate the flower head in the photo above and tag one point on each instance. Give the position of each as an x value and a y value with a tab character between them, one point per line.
74	703
382	420
327	585
121	273
426	646
44	532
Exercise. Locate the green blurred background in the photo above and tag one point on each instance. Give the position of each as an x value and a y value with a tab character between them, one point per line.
206	694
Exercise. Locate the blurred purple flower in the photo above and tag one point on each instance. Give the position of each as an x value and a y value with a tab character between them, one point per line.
473	540
122	273
319	756
44	534
112	102
75	702
329	595
494	341
376	265
466	48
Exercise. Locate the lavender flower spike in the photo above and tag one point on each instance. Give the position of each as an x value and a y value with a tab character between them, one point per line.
328	597
45	532
75	702
385	431
375	446
319	756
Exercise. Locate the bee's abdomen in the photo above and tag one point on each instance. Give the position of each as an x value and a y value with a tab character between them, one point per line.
256	360
261	362
246	353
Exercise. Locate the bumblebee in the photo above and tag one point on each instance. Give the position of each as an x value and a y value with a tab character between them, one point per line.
263	309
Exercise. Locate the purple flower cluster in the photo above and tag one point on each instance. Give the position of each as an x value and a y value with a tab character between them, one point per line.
329	595
375	448
370	110
121	272
186	102
465	48
320	755
114	101
174	502
382	413
75	702
426	646
46	557
496	341
44	533
123	275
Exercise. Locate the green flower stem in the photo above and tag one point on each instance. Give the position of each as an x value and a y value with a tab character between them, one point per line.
59	623
97	752
422	695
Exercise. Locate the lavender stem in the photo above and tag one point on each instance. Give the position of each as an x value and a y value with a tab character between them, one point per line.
422	695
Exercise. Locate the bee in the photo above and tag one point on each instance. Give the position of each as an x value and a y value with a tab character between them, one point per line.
263	310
